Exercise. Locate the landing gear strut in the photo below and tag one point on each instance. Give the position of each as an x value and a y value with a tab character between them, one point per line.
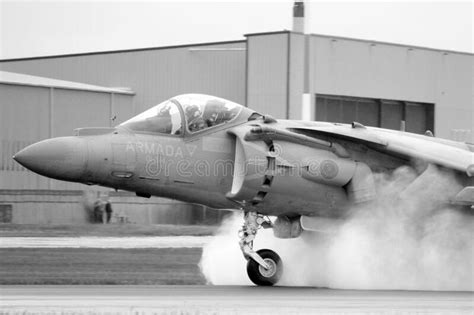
264	267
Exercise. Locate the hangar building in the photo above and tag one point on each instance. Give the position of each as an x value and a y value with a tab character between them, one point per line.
375	83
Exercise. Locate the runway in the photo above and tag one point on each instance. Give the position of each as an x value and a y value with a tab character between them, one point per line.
105	242
143	300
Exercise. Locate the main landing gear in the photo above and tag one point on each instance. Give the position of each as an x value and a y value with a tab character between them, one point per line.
264	267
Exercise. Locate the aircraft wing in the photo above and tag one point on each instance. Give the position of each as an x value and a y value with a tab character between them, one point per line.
454	155
458	156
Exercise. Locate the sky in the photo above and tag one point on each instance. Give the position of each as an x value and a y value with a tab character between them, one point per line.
41	28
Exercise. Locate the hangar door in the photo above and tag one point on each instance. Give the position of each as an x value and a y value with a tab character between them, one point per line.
390	114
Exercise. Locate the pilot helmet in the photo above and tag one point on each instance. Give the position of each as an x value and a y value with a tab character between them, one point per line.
193	111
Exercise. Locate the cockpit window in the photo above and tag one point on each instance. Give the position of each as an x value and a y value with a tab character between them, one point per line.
163	118
202	111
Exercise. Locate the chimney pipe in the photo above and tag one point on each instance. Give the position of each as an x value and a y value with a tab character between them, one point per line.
298	17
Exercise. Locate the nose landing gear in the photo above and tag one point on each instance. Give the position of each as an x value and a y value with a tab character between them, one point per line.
265	276
264	267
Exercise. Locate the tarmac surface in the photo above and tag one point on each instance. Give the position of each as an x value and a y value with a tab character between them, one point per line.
143	300
105	242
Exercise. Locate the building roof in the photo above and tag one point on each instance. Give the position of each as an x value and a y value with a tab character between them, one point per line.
233	42
30	80
127	50
394	44
364	41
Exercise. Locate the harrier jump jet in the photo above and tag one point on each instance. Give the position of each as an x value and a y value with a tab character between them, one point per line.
210	151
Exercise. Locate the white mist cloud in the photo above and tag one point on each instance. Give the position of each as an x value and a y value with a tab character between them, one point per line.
409	238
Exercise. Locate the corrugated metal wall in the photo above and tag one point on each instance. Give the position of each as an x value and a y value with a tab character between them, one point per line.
75	207
122	109
24	112
384	71
29	114
74	109
338	66
154	75
24	116
267	77
296	75
347	67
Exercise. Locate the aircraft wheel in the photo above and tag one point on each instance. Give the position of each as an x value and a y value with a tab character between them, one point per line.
265	277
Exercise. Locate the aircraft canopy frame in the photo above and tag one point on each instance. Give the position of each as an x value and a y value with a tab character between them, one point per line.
186	114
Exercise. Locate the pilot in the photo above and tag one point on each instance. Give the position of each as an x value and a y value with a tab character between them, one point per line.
162	121
212	119
212	111
194	117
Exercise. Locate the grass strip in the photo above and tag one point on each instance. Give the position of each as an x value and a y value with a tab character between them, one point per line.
92	266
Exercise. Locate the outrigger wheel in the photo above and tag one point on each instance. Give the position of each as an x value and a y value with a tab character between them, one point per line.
262	276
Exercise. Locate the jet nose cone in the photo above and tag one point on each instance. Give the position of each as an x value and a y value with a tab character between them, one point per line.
61	158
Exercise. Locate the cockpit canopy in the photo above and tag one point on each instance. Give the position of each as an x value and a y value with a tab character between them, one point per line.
195	112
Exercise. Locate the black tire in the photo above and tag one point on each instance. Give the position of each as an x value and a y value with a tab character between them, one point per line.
257	273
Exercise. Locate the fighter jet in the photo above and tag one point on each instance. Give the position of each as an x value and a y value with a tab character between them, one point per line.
286	175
